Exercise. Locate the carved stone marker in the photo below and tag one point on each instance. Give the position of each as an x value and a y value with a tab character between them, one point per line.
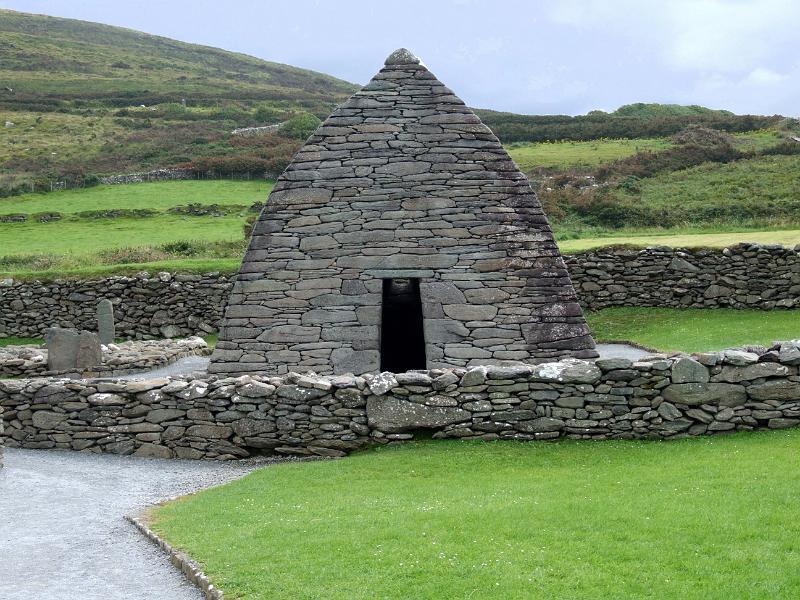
67	349
90	353
105	322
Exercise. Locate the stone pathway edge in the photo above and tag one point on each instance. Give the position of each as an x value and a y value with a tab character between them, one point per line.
189	567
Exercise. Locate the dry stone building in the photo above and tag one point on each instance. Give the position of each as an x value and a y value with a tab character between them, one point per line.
402	236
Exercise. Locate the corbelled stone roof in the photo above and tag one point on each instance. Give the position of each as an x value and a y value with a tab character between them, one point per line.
401	181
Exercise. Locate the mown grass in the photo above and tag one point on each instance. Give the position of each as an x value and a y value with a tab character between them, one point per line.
160	195
19	341
691	238
86	237
568	154
700	518
532	155
694	329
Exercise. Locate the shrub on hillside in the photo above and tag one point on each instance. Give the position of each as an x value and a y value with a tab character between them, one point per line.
702	136
265	114
300	126
648	163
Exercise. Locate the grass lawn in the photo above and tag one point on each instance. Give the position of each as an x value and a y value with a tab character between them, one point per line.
694	329
85	237
158	195
693	239
698	518
530	155
19	341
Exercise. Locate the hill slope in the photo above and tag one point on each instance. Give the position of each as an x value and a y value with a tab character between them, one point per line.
54	63
85	99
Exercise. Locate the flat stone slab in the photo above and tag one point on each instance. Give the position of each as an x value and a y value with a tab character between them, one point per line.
68	537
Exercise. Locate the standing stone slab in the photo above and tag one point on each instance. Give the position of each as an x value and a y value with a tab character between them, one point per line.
67	349
90	353
105	322
402	181
62	348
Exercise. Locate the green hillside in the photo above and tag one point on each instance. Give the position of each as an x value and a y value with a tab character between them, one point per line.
86	100
53	63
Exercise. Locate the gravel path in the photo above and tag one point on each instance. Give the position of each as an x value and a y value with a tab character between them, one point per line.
182	366
62	532
621	351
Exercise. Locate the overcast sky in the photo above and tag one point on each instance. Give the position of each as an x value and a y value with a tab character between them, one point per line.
567	56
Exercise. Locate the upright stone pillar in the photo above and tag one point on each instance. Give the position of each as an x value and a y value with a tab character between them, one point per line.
68	350
105	322
62	348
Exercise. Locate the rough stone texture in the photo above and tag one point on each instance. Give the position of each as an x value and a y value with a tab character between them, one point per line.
763	277
143	305
742	276
401	181
62	353
228	417
117	359
106	330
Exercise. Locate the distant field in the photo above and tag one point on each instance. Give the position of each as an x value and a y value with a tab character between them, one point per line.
529	156
159	195
764	189
564	155
788	237
693	329
84	247
85	237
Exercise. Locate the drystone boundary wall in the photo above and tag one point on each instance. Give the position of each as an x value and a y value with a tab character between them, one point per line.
155	175
166	305
145	306
743	276
118	359
223	418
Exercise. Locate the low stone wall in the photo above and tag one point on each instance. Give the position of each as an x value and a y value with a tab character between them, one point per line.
145	306
155	175
165	305
118	359
221	418
743	276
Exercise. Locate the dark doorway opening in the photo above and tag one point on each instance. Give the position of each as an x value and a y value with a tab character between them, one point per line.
402	337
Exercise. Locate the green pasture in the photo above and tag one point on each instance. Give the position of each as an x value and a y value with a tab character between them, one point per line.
712	518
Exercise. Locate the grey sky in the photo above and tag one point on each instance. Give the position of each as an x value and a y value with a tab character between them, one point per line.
537	57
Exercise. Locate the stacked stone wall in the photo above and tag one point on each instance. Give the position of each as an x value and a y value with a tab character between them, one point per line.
118	359
744	276
145	306
221	418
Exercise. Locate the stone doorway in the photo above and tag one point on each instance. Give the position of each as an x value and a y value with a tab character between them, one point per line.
402	336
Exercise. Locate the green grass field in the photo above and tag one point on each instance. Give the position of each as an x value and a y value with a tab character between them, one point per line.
530	155
159	195
79	246
692	329
565	155
761	189
86	237
711	518
691	239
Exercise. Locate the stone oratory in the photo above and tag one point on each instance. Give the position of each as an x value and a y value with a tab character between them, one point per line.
402	236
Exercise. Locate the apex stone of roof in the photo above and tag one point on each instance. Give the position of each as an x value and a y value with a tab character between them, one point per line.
402	56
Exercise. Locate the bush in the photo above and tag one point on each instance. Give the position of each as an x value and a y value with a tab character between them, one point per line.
266	114
648	163
702	136
300	126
